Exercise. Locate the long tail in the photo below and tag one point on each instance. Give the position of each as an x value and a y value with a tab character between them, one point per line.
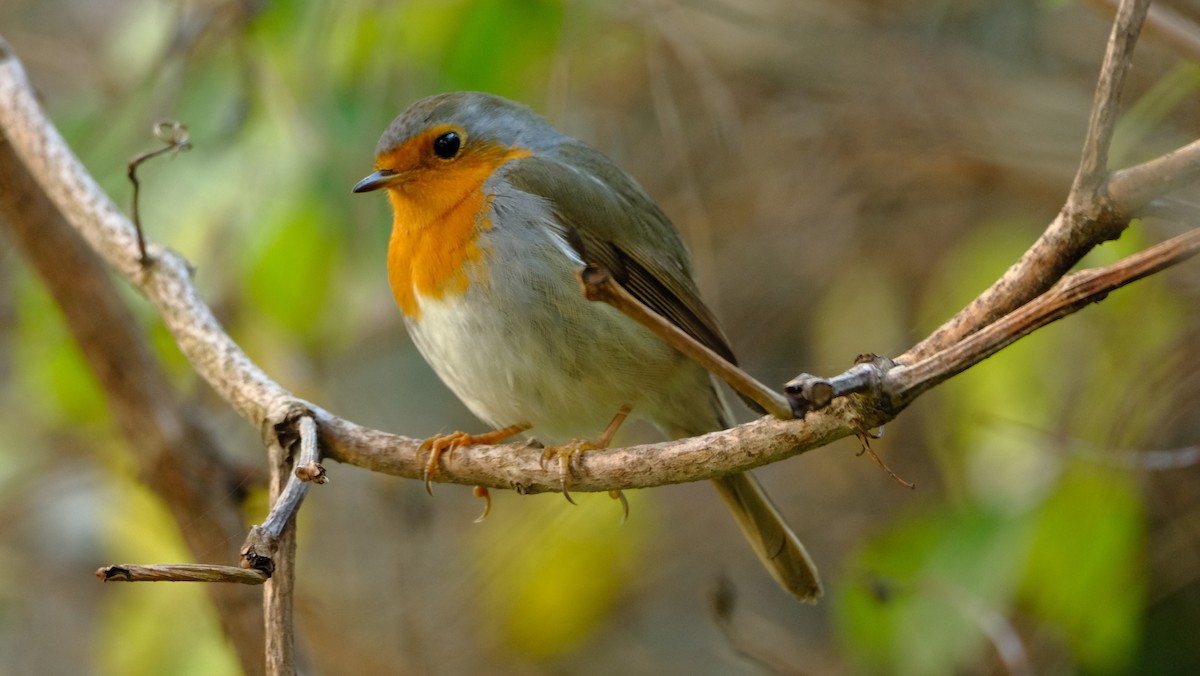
776	545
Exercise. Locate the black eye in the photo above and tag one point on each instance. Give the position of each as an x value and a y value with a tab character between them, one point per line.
446	146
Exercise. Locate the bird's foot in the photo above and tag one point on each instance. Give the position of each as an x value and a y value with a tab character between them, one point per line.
570	454
445	444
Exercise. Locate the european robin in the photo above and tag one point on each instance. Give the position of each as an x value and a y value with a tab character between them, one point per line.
495	212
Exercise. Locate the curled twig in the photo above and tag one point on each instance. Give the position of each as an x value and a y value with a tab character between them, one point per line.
175	136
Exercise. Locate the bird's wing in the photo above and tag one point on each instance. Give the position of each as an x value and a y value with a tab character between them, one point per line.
610	221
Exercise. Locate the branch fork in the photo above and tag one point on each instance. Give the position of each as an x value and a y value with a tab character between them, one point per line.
293	436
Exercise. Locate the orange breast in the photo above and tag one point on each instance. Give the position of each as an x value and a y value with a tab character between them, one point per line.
438	214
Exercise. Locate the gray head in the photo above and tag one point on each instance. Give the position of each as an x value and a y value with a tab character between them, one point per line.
480	115
451	128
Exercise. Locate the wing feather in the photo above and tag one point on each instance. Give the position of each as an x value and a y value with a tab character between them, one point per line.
610	221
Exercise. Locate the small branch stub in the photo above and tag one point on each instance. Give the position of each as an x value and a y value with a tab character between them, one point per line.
311	472
258	550
308	465
807	392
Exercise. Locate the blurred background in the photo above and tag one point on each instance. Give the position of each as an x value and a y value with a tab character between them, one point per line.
848	174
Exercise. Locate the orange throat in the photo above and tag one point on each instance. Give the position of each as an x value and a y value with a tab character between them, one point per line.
438	215
430	258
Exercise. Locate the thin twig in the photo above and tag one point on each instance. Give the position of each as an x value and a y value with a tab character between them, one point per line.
1133	188
261	543
864	438
1118	59
1073	293
807	392
1088	217
599	285
1165	23
180	572
175	135
308	466
286	507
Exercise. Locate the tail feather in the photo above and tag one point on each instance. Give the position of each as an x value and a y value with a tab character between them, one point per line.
775	544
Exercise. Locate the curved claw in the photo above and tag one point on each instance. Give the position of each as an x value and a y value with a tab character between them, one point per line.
620	495
430	465
436	448
427	474
482	492
566	473
447	444
569	456
438	445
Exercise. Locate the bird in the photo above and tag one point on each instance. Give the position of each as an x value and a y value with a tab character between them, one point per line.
495	212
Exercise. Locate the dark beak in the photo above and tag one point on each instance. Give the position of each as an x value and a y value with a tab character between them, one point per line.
377	180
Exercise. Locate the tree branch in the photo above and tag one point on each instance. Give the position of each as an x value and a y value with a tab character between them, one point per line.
1089	217
1166	25
279	592
1076	291
297	429
175	455
167	284
1134	188
189	572
1118	59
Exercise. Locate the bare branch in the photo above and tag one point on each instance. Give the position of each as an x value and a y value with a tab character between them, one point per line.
279	593
257	398
1118	59
166	283
1166	24
1134	188
308	466
598	285
518	466
807	392
1089	217
183	572
297	429
175	135
175	455
1073	293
